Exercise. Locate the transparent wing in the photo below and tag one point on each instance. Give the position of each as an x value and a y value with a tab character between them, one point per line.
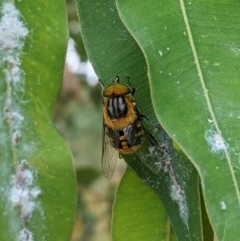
109	155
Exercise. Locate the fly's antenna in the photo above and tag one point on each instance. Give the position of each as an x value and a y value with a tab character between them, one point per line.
129	80
99	80
130	84
116	80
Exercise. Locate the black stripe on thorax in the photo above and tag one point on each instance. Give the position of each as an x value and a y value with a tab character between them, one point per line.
117	107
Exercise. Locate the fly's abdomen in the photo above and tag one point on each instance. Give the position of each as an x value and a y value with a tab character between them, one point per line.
127	140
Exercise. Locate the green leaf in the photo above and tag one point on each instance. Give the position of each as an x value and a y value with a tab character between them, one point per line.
37	194
114	52
176	184
192	52
137	213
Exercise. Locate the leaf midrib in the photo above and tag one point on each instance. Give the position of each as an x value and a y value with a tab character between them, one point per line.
205	90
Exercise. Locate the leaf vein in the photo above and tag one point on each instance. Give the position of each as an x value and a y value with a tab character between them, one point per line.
205	90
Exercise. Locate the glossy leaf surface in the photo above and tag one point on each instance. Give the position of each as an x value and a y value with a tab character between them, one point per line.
138	214
114	52
192	53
